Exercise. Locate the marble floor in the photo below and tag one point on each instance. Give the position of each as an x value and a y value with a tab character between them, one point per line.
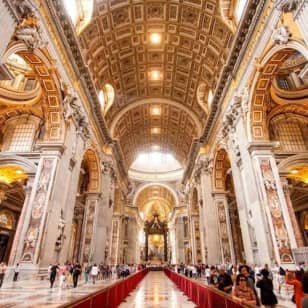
157	291
37	294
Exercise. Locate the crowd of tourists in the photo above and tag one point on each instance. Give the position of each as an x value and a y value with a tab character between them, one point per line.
242	281
69	273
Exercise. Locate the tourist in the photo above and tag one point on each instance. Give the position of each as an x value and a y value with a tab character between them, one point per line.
245	271
16	272
53	273
76	273
213	276
87	271
94	272
208	274
243	293
296	281
305	289
268	298
224	281
62	275
2	272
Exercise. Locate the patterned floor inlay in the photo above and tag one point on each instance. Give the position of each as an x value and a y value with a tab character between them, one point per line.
157	291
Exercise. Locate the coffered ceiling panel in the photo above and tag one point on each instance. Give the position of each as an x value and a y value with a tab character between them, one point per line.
193	48
161	127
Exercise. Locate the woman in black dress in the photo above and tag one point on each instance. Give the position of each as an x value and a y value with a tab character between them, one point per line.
268	298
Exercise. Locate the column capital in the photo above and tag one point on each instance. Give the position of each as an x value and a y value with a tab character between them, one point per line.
260	147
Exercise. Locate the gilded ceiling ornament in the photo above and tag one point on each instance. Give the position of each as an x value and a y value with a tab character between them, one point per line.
286	5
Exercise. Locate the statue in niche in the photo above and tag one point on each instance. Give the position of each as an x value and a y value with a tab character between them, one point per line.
60	233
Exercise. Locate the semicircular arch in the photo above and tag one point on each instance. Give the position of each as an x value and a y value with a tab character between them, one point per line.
42	65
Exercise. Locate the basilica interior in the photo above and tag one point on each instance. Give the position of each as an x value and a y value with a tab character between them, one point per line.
162	132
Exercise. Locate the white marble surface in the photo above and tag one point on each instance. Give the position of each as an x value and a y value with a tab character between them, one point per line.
156	290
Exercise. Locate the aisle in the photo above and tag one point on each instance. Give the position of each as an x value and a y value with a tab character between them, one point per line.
156	290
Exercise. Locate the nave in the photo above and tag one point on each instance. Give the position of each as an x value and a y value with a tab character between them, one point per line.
156	290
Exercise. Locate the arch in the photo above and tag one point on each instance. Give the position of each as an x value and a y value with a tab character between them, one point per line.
29	167
92	160
147	101
42	65
221	166
146	185
300	159
257	121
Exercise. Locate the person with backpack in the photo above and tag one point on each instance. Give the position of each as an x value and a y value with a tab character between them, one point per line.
76	273
94	272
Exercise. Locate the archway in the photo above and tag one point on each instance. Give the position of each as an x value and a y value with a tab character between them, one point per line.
155	205
51	100
14	174
83	219
228	216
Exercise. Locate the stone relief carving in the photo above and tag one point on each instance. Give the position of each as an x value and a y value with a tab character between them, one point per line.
25	8
281	35
232	115
60	233
286	5
244	93
29	31
72	109
280	231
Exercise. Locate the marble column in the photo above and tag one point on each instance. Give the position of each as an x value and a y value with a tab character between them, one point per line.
115	237
19	236
146	246
208	216
295	225
166	246
33	231
225	232
300	15
9	21
273	200
179	240
89	228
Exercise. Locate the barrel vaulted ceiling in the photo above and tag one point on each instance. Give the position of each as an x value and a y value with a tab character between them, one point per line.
193	49
155	199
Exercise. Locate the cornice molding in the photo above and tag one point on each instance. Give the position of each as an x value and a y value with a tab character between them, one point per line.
241	40
70	40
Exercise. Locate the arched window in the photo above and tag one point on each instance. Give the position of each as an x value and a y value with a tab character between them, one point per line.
106	97
290	131
239	9
80	12
19	133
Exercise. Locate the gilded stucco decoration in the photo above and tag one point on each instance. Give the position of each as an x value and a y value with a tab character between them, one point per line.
173	130
262	97
221	166
10	174
155	199
194	47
